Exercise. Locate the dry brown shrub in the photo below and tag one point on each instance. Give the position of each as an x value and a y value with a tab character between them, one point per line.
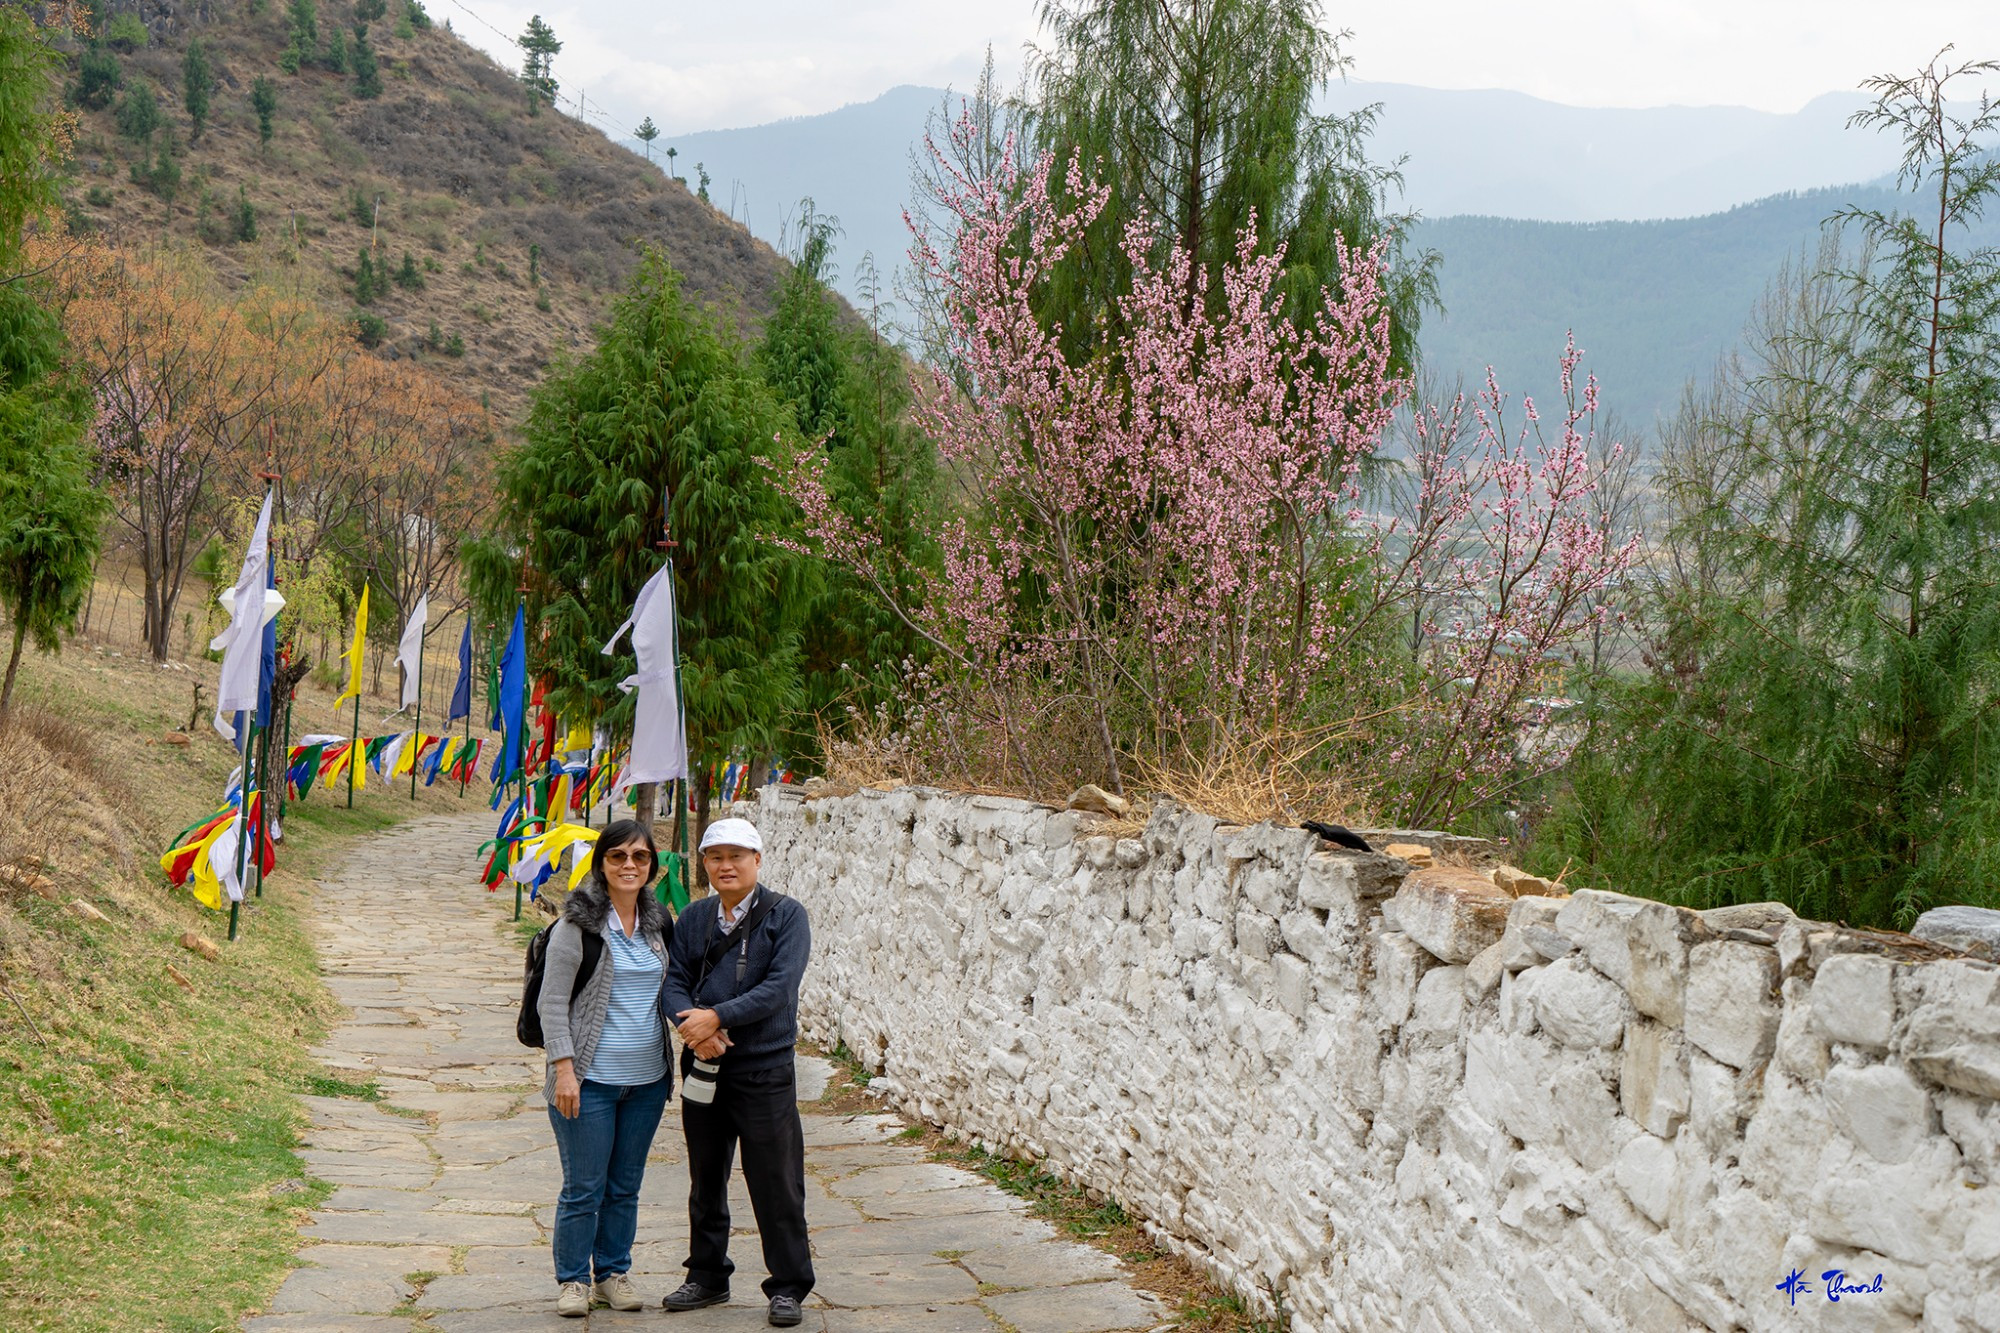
1277	776
1052	742
38	793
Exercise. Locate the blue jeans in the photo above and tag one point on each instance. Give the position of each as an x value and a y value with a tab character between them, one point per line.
603	1155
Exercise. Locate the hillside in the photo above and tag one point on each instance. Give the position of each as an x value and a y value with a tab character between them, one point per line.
1652	303
468	181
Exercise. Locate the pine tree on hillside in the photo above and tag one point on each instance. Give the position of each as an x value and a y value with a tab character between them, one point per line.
303	17
264	101
646	133
540	47
663	402
367	73
197	84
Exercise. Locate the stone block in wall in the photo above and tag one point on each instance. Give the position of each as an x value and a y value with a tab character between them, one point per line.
1974	1125
1483	973
1510	1081
1336	880
1801	1049
1720	1099
1256	934
1577	1005
1972	930
1592	1129
1653	1077
1599	924
1399	965
1292	984
1732	1001
1440	1002
1518	883
1452	913
1852	1000
1916	1210
1880	1107
1645	1171
1514	950
1953	1034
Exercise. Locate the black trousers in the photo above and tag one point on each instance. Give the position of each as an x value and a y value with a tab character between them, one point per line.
758	1108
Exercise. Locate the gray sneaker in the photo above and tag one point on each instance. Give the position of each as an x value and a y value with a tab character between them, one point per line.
617	1292
574	1300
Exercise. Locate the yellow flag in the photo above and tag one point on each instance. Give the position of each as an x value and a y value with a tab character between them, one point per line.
354	654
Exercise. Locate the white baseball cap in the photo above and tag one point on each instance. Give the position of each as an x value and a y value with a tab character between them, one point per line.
733	833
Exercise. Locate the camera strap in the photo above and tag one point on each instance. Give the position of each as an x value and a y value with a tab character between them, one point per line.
719	946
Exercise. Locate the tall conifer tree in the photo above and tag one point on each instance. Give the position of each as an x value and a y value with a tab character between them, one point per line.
665	405
1820	726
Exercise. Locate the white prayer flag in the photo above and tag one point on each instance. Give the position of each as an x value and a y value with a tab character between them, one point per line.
659	744
410	652
242	640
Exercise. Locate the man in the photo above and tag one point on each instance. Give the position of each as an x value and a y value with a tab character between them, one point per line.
732	985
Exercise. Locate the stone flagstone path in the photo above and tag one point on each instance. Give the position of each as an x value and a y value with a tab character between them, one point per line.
446	1188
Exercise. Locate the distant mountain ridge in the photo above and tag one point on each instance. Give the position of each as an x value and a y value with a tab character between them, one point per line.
1522	197
1652	304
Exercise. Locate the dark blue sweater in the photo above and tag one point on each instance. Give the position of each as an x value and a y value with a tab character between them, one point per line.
762	1015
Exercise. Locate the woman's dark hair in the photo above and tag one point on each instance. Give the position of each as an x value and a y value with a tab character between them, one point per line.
620	834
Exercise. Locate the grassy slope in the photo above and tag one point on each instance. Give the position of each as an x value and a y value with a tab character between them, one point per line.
468	181
146	1172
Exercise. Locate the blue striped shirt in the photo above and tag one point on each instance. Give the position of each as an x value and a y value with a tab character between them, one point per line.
630	1049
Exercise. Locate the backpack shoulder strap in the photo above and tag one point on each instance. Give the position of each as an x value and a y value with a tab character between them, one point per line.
593	950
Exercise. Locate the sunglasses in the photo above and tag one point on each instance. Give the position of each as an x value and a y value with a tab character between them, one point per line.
627	856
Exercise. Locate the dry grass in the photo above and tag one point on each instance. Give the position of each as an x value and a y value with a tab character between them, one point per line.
144	1123
1272	777
468	179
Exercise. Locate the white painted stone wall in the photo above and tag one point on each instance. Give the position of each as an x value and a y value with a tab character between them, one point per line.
1614	1115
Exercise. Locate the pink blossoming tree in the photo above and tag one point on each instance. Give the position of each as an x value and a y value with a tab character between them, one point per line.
1165	545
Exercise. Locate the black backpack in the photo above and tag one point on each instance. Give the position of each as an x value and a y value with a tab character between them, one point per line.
528	1026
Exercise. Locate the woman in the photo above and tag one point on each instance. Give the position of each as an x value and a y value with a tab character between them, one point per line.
609	1057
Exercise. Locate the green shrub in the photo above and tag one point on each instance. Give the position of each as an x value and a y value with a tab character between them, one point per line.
98	79
367	283
334	58
264	101
197	82
418	16
162	175
138	113
246	216
407	276
367	73
98	197
369	329
542	298
125	32
360	209
454	346
370	11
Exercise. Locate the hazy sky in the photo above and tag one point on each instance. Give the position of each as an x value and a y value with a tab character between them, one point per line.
722	63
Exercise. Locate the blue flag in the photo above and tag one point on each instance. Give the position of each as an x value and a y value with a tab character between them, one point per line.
513	698
461	693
